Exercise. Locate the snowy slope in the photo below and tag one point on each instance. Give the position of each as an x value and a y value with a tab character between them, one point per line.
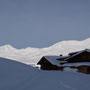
32	55
18	76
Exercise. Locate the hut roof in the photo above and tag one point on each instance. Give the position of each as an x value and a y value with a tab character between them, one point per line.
53	60
77	64
79	52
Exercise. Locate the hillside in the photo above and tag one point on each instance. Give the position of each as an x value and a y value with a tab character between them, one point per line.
17	76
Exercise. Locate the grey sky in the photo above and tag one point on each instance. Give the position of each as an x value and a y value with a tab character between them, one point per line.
41	23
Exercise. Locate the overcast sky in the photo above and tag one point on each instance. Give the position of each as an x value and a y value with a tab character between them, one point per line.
41	23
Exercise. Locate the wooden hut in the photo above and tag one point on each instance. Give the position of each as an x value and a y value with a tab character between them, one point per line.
81	56
50	63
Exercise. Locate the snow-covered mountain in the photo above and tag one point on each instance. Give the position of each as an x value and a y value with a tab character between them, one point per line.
32	55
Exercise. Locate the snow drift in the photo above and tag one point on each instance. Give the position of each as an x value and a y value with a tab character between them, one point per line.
17	76
33	55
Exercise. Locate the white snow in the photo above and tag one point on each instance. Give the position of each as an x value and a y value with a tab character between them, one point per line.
68	69
76	64
33	55
18	76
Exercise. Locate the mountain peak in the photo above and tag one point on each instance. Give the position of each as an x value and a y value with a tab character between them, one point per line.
87	40
7	47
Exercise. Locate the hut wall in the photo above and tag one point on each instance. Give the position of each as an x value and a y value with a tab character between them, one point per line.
84	69
50	67
83	57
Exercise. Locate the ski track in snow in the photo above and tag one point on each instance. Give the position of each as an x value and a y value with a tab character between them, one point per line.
67	86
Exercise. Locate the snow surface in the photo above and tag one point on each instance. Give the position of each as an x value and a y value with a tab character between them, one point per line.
76	64
70	70
17	76
33	55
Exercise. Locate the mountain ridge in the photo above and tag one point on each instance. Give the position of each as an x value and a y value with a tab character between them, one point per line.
31	55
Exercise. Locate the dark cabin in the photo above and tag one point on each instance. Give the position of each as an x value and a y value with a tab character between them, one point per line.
81	56
46	63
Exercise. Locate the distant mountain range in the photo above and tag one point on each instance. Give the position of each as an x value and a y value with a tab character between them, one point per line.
33	55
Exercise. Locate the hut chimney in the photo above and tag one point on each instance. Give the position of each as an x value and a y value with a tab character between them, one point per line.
61	55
